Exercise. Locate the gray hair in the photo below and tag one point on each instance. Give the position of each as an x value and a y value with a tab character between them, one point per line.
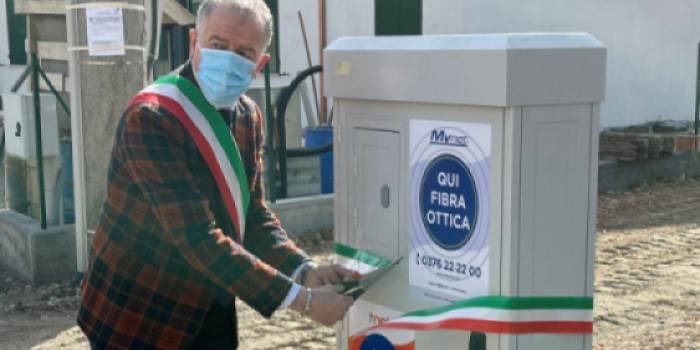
253	9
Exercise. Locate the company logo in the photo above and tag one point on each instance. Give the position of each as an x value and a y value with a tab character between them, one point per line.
443	137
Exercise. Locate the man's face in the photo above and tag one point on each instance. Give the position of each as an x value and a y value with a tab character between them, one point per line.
224	29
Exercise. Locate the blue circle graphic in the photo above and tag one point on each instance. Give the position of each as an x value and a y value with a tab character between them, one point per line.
448	202
376	342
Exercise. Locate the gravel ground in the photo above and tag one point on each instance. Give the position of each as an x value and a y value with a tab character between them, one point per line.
647	284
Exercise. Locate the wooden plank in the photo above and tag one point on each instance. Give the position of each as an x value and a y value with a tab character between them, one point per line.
47	7
60	82
52	50
174	13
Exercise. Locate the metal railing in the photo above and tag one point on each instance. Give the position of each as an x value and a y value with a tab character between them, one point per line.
279	154
34	69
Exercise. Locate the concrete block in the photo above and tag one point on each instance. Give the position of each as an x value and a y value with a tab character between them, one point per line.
303	176
34	255
304	215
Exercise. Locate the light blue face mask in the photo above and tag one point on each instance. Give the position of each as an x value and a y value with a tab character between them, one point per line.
223	76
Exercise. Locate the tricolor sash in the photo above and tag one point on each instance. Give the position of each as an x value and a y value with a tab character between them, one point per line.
212	137
488	314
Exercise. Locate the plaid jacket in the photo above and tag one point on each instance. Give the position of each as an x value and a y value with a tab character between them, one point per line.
163	249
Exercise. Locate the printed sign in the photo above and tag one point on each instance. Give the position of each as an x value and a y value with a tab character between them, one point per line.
105	31
363	315
449	209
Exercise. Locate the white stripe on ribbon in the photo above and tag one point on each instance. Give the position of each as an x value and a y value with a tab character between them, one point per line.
353	264
505	315
171	91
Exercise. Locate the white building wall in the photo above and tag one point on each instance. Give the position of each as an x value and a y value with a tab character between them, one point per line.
349	18
4	36
652	45
292	50
343	18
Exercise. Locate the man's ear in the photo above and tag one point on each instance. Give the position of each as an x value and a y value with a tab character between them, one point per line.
193	40
261	64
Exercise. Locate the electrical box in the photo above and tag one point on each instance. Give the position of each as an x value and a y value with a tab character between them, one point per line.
22	193
473	157
19	116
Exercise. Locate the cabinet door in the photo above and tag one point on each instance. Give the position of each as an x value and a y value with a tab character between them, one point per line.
375	209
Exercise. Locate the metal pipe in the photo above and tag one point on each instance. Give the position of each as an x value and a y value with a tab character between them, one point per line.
308	152
21	79
697	101
282	150
320	118
53	90
37	138
73	33
269	138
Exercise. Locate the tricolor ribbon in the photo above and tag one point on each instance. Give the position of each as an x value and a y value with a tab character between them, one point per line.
488	314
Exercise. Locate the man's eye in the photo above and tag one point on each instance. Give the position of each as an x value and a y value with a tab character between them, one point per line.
245	55
218	46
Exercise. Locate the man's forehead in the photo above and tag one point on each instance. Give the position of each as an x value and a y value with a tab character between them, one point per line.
230	25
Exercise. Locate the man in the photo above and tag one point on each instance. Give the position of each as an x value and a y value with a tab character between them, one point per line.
185	228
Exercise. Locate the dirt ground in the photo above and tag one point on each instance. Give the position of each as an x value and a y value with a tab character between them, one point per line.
647	284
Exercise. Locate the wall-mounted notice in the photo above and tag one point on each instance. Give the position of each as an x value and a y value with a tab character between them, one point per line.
105	31
449	209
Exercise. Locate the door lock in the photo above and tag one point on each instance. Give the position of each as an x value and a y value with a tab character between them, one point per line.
384	196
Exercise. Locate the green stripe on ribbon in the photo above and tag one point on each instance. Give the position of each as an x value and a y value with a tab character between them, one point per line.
361	256
221	131
512	303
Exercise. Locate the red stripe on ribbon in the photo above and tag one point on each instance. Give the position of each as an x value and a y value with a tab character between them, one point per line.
502	327
205	149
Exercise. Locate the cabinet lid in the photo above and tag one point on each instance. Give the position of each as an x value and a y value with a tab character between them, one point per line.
487	69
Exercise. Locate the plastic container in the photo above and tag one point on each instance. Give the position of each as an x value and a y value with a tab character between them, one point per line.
316	137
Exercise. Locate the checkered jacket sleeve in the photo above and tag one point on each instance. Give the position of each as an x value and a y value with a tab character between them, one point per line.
152	147
265	236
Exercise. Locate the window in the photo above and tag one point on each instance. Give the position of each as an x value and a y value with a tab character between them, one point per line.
398	17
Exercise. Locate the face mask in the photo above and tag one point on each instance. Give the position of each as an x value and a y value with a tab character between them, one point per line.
223	76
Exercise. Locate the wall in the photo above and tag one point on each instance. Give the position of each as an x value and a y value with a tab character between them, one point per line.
292	50
4	37
652	45
349	18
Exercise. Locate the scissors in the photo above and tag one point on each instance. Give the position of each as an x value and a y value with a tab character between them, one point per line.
356	288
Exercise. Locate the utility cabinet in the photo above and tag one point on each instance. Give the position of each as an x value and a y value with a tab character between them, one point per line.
474	157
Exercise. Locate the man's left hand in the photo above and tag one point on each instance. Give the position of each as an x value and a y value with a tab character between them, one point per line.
330	274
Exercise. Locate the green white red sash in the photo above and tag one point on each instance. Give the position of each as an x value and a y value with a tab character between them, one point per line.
213	138
489	314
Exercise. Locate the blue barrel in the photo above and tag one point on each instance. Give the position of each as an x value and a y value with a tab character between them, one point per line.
317	137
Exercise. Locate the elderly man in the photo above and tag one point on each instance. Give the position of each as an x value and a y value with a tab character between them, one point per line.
185	228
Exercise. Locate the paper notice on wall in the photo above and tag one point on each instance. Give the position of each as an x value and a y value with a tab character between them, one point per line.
449	209
105	31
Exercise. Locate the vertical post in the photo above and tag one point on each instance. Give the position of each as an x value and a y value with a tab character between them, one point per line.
37	137
270	158
322	40
697	102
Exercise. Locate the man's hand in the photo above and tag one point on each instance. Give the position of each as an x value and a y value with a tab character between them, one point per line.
327	306
330	274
